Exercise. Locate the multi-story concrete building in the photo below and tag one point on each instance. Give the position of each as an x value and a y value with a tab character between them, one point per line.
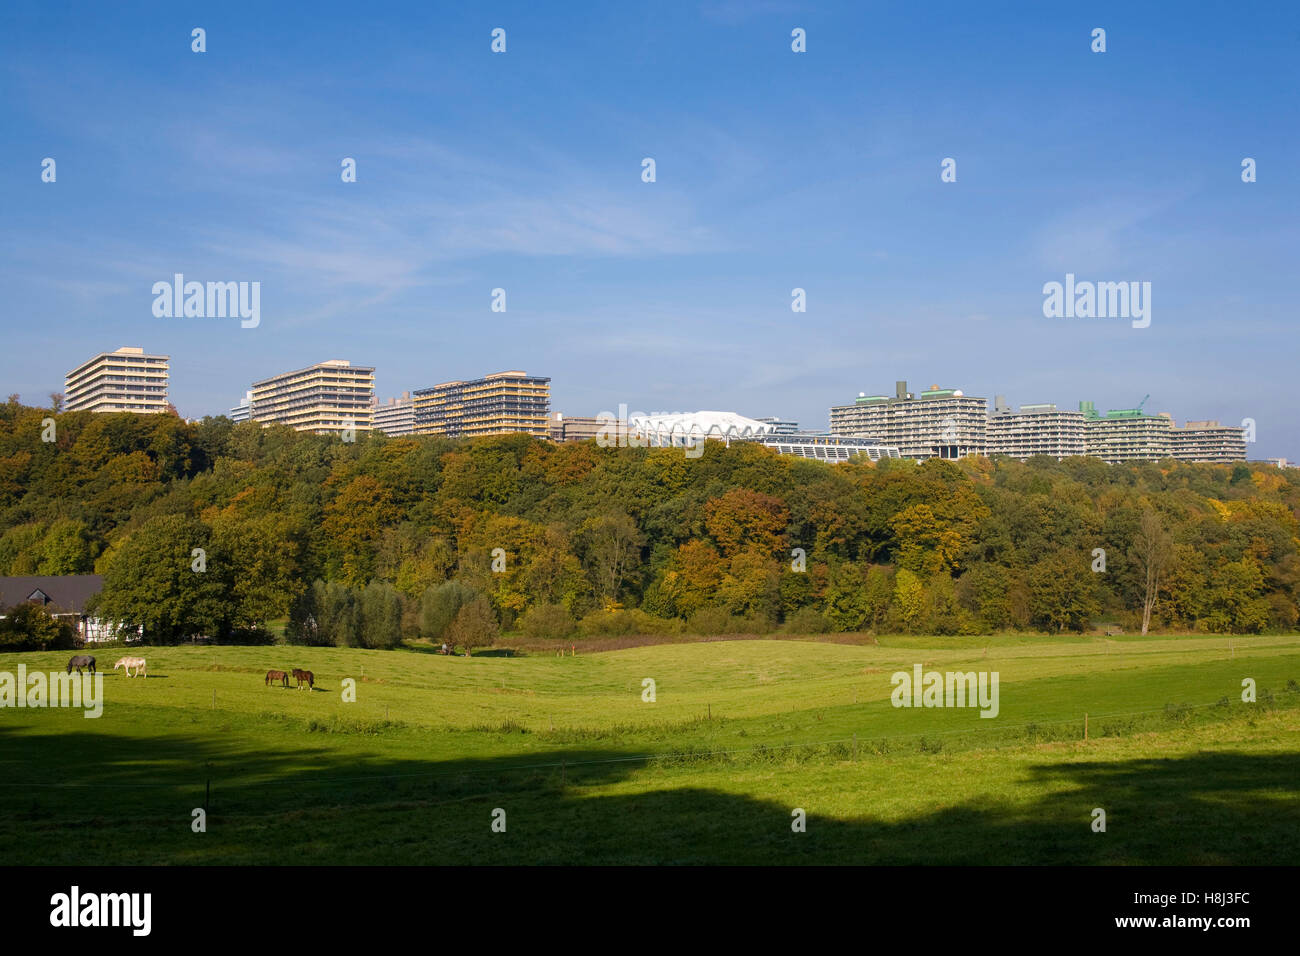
126	380
396	416
561	427
244	410
936	423
780	426
1209	441
497	404
1034	430
330	397
1126	434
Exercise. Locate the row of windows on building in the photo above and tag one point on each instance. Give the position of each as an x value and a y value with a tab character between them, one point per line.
945	423
126	380
336	396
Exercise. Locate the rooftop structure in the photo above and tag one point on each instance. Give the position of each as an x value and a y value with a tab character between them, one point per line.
832	448
673	429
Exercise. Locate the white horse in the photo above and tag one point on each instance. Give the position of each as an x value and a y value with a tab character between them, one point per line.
126	663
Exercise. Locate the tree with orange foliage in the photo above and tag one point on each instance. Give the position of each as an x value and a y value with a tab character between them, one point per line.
743	518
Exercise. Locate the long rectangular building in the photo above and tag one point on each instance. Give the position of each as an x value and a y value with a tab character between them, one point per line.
935	423
1127	434
1209	441
126	380
243	411
396	416
330	397
780	426
1034	430
498	404
562	428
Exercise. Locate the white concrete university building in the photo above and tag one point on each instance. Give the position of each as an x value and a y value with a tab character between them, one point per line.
125	380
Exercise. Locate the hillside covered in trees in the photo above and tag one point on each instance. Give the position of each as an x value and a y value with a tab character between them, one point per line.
371	542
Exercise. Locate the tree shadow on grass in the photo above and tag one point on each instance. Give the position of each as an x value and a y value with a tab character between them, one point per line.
314	805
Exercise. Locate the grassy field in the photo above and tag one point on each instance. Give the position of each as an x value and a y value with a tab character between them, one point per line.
740	734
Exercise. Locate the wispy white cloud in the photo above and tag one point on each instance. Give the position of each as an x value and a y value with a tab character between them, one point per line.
1100	234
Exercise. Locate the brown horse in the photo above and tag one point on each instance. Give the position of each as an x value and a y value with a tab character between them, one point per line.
277	677
80	661
307	676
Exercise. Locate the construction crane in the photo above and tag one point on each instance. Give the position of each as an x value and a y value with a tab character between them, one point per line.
1143	402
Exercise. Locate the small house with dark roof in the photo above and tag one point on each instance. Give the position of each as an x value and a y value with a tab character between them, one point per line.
64	596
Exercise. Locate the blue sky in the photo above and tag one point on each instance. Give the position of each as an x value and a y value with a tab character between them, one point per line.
775	170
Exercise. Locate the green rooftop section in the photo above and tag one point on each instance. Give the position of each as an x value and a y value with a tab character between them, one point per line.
1089	410
1131	412
937	393
867	399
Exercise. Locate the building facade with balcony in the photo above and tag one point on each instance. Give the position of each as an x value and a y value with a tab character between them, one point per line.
395	416
1041	429
1208	441
1126	434
126	380
498	404
332	397
935	423
244	410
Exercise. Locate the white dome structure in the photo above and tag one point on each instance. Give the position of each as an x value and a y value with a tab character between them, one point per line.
674	429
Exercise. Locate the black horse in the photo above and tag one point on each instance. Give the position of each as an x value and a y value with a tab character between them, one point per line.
80	661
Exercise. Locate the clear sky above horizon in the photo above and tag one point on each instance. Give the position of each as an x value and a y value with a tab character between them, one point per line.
775	170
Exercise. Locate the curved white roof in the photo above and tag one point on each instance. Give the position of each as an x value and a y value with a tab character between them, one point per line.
671	427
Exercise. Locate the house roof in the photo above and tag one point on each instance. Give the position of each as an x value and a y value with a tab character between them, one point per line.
67	592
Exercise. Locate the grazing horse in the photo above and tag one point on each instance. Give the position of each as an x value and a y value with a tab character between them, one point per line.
276	677
126	663
307	676
80	661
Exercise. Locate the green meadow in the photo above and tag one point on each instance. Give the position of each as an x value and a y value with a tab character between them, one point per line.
740	733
